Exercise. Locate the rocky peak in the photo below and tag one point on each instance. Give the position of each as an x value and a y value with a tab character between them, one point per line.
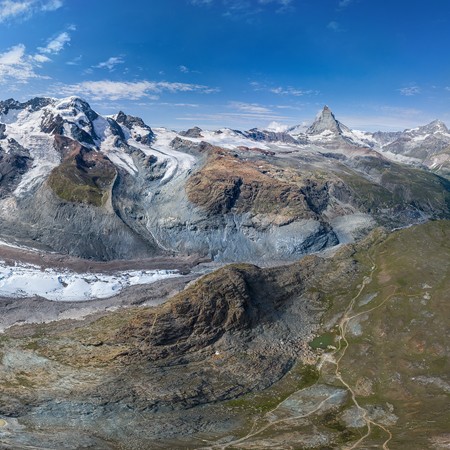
436	126
75	105
33	105
38	103
130	121
140	131
195	132
325	121
6	105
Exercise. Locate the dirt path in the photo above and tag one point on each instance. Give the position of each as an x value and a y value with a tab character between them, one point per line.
342	349
327	358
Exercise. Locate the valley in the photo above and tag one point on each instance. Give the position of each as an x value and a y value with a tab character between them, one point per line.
381	372
220	289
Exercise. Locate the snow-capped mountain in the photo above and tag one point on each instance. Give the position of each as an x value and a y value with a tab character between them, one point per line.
109	187
428	145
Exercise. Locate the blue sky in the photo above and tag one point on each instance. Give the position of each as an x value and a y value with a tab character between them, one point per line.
240	63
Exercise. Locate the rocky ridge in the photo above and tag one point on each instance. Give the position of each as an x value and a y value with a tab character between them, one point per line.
111	187
232	332
248	357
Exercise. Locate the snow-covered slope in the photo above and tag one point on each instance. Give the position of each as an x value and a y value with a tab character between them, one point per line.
25	280
109	187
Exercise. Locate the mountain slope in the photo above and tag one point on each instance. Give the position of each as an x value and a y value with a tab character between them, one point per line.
111	187
250	358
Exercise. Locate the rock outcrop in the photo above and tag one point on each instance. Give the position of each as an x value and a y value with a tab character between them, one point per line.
68	172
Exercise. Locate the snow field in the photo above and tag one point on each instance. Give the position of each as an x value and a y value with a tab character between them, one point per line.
26	280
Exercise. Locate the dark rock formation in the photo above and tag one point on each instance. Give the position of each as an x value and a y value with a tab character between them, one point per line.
12	166
195	132
130	122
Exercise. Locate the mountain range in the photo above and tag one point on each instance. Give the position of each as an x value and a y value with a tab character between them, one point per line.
117	332
111	187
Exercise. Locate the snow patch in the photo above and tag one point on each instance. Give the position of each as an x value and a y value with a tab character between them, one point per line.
226	138
26	280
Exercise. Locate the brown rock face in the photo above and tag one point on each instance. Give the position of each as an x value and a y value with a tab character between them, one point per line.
227	183
197	317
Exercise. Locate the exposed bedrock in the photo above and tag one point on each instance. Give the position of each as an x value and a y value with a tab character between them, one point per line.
113	188
77	229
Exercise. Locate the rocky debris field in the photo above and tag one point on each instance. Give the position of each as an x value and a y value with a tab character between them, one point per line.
123	327
246	357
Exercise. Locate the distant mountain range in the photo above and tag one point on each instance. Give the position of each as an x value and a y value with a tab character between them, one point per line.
427	146
108	187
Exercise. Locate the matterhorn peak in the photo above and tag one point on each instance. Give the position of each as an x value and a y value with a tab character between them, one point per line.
325	121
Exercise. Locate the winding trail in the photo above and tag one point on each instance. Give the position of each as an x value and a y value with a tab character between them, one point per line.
253	433
332	358
342	349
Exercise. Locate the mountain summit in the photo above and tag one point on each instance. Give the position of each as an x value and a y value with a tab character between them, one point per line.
325	121
110	187
436	126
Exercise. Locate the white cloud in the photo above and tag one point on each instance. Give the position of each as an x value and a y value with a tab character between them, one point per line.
277	127
291	91
249	107
384	122
284	5
24	9
131	90
245	9
178	105
282	90
52	5
238	120
242	112
241	10
344	3
75	61
10	9
409	91
183	87
41	58
334	26
185	69
16	66
392	117
447	88
201	2
110	63
55	45
261	2
13	56
400	111
296	107
280	2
